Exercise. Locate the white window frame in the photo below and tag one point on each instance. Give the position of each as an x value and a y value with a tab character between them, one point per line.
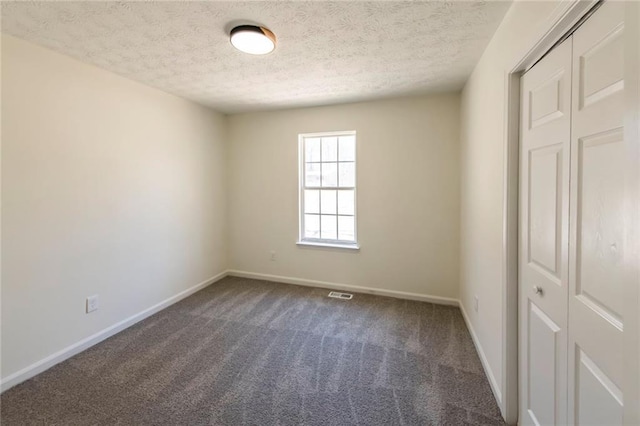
324	242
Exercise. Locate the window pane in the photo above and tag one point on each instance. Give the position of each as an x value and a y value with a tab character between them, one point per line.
312	149
311	226
347	148
329	174
311	201
346	202
347	174
328	227
329	149
346	228
328	203
312	175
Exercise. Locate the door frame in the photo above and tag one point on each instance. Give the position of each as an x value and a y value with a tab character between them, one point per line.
567	14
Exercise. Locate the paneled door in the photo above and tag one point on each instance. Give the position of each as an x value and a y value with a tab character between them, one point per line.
543	238
572	224
596	220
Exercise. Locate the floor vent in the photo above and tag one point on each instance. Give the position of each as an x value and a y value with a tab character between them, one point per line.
339	295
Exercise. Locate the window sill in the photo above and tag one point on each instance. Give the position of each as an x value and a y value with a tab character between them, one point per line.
329	245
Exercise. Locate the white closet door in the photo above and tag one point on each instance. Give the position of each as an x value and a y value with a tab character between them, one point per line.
544	232
596	216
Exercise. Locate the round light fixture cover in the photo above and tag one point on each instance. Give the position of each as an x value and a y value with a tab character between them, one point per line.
253	39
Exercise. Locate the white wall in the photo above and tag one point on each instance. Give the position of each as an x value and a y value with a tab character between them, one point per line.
109	187
483	124
408	200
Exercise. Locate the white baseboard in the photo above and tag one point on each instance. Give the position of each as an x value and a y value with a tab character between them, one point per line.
346	287
483	359
66	353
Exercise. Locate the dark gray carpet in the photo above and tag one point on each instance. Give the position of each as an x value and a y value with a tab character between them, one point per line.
247	352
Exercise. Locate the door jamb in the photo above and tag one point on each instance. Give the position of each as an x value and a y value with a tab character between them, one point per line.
561	20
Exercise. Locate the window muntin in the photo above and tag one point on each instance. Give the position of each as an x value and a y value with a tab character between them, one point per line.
328	188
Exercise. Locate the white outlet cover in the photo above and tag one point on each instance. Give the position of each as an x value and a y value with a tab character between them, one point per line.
92	303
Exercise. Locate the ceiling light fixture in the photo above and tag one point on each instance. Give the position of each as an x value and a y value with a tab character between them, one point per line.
253	39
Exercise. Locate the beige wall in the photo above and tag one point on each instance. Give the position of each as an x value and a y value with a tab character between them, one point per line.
483	124
408	202
109	187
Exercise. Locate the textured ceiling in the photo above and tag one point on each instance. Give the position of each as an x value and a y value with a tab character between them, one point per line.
327	52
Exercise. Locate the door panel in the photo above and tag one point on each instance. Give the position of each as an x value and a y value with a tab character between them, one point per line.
546	101
599	200
541	371
597	78
545	171
544	233
596	279
599	401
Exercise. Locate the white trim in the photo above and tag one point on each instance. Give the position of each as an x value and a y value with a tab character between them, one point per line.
483	358
327	134
330	245
509	406
348	287
66	353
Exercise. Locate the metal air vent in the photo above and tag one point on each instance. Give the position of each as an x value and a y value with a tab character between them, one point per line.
338	295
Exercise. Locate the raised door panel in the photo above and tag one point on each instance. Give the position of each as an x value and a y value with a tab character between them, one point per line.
600	224
545	197
600	68
546	101
544	339
599	400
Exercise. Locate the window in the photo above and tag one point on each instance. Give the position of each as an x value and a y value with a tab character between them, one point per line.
328	189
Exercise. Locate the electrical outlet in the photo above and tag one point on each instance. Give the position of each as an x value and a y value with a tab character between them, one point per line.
92	303
273	256
475	303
